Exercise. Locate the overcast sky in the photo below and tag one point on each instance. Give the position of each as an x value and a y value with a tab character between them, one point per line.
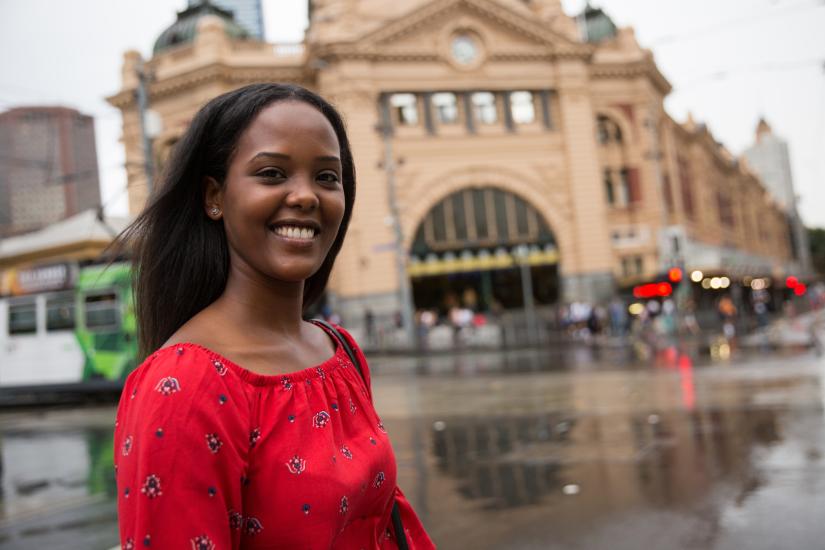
730	62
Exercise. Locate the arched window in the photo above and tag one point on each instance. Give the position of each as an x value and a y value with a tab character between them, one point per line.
607	130
480	217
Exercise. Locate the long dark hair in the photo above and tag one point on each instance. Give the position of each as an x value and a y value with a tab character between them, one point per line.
181	257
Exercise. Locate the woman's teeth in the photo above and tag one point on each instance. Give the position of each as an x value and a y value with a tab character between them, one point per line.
295	232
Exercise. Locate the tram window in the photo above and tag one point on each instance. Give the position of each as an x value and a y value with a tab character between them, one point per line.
60	311
23	317
102	311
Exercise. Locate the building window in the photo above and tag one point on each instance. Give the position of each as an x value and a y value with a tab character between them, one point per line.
608	188
632	186
725	208
405	109
446	107
60	311
522	107
484	107
686	185
607	130
668	191
23	317
632	266
624	187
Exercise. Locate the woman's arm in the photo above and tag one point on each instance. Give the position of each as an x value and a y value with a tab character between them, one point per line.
181	444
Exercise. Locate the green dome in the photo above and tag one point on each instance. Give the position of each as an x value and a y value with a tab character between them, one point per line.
184	29
597	24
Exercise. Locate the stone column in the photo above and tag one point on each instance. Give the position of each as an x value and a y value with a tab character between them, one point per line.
587	267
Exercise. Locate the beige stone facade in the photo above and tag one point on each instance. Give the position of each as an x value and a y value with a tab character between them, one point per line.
490	94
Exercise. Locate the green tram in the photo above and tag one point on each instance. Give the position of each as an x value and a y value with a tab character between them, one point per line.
64	327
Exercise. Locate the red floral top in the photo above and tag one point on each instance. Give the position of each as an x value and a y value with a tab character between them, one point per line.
209	455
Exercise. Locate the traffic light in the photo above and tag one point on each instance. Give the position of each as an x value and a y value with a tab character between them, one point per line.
674	276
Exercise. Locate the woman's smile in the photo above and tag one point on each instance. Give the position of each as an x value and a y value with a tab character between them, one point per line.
295	235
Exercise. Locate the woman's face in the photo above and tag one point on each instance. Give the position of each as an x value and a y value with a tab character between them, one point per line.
283	199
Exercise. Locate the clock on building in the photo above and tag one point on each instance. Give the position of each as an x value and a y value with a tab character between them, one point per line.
464	49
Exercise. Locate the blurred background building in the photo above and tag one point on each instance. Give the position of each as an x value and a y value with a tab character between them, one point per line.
247	13
769	158
501	145
48	167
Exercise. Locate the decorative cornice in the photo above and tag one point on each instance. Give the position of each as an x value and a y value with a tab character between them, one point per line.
436	10
125	99
646	68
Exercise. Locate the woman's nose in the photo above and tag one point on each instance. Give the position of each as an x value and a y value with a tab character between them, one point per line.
302	194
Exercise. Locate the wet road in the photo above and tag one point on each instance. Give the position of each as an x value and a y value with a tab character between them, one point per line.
522	451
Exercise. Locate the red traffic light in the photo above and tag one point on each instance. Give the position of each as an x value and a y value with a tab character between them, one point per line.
674	275
791	282
653	290
800	289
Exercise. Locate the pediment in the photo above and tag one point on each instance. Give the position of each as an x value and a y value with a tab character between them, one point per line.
504	31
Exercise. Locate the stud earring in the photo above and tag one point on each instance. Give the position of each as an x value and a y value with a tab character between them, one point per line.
214	210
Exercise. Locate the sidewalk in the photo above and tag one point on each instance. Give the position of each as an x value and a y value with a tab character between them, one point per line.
799	331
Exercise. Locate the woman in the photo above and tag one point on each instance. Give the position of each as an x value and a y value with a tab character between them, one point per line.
246	426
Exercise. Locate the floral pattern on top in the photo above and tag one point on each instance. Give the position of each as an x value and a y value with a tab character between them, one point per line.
151	487
219	367
202	542
167	386
191	451
296	465
320	419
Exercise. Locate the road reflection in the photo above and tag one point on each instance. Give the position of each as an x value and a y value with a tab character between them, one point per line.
671	456
58	479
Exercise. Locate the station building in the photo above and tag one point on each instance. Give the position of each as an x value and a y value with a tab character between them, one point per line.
502	132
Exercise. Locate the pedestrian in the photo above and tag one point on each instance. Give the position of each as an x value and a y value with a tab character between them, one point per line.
727	314
247	426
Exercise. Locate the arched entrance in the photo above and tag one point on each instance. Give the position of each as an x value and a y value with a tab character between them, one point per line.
469	248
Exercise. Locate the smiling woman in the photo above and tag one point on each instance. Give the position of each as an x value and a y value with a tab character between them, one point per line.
287	450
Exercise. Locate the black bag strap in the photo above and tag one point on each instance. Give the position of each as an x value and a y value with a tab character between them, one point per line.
400	536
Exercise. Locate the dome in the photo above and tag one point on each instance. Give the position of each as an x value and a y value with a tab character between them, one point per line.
597	25
184	29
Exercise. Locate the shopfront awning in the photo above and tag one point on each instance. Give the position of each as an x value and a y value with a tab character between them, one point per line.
483	260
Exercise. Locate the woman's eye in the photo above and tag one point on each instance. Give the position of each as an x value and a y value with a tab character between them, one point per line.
271	173
328	177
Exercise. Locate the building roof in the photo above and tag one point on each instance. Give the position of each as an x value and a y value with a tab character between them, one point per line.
82	228
184	29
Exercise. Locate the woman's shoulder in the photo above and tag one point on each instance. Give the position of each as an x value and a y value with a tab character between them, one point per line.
178	367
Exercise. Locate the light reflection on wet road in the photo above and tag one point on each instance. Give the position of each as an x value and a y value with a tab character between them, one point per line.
522	451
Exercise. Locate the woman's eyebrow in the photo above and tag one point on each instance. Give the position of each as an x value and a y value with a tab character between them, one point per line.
281	156
270	155
329	158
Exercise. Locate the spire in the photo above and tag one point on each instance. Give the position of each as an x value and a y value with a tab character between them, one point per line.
762	129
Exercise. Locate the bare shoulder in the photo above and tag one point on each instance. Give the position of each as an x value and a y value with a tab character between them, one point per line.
200	329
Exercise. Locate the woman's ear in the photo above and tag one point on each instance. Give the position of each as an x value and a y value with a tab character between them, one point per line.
212	198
